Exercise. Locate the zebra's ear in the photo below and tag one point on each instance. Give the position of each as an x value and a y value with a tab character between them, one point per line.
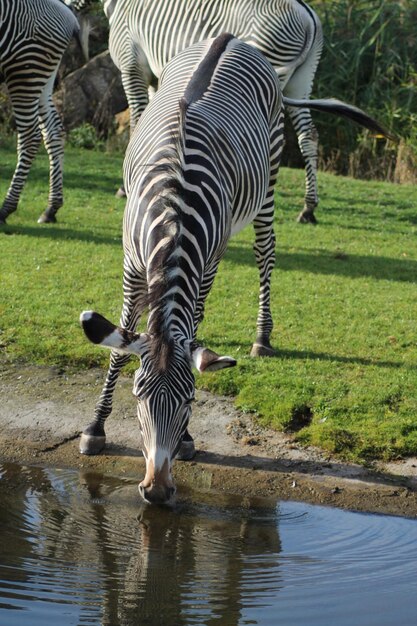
206	360
100	331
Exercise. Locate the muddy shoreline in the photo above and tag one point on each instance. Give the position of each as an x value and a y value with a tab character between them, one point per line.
43	410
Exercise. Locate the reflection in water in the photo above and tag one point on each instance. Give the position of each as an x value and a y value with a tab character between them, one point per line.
79	549
85	542
180	566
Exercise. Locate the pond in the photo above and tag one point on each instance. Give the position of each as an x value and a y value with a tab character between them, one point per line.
80	549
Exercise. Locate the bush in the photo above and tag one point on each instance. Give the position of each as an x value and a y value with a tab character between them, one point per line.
370	60
86	137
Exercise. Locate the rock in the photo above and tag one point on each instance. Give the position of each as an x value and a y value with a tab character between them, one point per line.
92	94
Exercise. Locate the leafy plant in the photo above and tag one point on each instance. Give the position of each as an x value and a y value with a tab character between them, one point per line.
86	137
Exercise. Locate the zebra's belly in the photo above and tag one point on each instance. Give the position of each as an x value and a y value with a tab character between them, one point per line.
250	198
240	221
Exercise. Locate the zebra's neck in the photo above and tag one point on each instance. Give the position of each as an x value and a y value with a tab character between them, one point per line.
173	271
173	291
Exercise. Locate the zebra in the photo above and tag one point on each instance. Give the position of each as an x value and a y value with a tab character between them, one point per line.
33	37
144	35
201	164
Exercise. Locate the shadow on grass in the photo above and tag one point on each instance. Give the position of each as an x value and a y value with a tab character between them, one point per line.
81	181
324	356
316	356
338	264
60	233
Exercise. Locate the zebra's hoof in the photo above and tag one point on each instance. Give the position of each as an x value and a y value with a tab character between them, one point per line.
187	451
260	350
92	444
47	219
307	217
120	193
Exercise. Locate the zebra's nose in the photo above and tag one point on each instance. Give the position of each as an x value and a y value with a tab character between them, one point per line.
156	494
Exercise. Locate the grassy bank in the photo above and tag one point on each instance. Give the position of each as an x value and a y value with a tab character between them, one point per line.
344	301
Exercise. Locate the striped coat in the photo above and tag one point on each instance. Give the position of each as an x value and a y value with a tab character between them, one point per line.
33	37
201	164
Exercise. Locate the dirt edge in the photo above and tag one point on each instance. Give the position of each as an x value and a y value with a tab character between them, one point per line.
43	410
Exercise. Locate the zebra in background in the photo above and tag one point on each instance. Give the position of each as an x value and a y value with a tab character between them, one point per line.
144	35
201	165
33	37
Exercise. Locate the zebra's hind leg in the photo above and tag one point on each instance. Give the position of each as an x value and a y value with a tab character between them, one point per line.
308	142
309	145
28	141
187	448
264	249
93	438
53	138
135	84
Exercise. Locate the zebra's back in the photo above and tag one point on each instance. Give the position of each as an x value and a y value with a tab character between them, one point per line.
41	24
283	30
215	121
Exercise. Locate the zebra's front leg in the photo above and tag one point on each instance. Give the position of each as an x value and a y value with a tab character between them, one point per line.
264	249
308	142
93	438
187	449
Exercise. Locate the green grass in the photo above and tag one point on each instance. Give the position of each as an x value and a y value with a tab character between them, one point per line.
344	300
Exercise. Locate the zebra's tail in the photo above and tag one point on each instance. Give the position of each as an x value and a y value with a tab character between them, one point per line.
342	109
82	35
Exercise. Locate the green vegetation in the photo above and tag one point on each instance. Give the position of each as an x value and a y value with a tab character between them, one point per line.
86	137
344	301
369	59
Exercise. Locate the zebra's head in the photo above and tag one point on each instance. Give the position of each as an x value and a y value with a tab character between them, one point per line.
164	387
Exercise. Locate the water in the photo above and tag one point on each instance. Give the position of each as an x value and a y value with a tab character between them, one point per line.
78	549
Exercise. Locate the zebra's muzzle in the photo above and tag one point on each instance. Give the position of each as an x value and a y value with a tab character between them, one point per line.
157	486
157	494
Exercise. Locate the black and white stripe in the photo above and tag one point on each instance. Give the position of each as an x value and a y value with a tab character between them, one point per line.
145	35
33	37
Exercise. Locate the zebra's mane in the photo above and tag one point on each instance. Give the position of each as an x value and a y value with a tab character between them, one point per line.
161	271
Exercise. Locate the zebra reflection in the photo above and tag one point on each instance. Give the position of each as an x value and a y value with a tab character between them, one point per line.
191	564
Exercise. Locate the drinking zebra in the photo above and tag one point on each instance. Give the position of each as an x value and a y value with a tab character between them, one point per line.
33	37
201	165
